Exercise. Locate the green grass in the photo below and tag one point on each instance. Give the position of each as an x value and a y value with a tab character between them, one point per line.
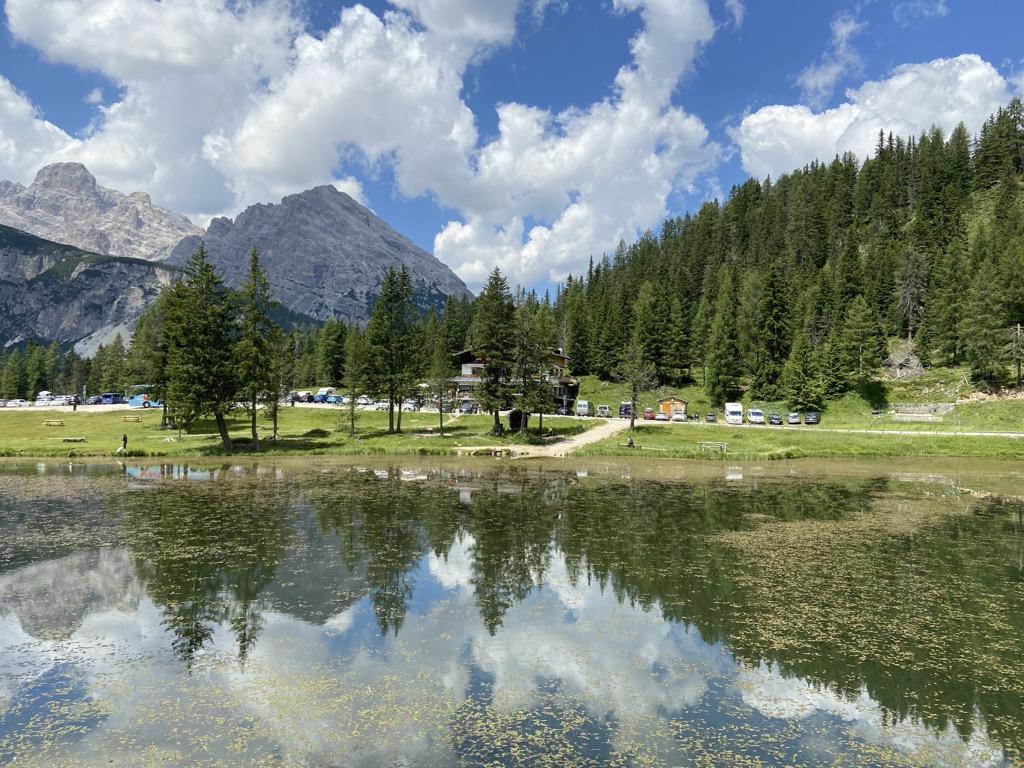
770	443
301	431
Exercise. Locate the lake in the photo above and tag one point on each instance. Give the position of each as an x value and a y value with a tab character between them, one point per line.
425	612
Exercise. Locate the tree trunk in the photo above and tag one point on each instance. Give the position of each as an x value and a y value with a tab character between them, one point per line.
222	427
255	437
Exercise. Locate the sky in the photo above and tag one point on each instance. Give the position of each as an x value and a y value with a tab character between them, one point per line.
525	135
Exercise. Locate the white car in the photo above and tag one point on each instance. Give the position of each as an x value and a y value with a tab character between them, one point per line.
44	401
678	415
17	403
382	405
755	416
364	400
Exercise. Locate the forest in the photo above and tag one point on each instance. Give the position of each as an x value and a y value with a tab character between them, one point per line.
796	289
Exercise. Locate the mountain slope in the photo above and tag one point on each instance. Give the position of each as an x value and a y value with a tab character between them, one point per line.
325	254
56	292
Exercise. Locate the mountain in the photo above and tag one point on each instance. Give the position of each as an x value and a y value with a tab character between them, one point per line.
325	255
66	205
51	291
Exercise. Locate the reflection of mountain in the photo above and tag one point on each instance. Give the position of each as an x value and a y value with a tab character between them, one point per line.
53	598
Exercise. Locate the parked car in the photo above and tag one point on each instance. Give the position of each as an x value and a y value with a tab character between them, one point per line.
94	400
3	403
382	405
338	399
625	409
604	410
364	400
775	418
678	415
562	411
17	403
660	416
793	418
755	416
409	405
649	414
467	406
44	401
812	417
111	398
710	417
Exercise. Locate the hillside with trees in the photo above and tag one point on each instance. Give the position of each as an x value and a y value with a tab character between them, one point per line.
795	289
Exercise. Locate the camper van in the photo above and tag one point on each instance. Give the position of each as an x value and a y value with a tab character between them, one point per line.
584	408
733	413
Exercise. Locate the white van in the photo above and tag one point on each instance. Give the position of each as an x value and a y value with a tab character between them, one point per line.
584	408
733	413
755	416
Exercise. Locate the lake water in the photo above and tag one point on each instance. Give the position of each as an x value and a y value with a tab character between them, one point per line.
503	613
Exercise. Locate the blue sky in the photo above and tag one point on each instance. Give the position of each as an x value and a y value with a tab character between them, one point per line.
530	135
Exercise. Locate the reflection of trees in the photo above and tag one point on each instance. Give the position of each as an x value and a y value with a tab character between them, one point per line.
383	528
205	551
928	621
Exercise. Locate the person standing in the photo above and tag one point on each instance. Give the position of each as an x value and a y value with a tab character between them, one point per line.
124	443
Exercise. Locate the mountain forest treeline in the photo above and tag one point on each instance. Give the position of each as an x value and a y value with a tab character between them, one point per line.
795	289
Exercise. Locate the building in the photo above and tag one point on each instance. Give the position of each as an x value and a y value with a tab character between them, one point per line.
563	386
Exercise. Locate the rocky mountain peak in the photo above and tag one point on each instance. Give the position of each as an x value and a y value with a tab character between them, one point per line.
65	204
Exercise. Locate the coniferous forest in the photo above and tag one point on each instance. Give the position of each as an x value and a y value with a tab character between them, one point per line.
794	289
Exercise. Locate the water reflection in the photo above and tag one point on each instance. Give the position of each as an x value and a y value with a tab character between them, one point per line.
512	614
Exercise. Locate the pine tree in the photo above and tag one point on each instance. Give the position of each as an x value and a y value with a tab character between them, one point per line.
389	334
984	327
722	356
801	379
860	344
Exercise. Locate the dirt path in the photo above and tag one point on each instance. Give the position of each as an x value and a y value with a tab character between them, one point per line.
599	430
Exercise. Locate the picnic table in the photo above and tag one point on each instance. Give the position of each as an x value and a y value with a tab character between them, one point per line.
131	418
53	423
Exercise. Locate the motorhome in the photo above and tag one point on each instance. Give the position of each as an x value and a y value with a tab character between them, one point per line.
733	413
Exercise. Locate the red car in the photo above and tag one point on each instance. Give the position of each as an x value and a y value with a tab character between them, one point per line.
649	413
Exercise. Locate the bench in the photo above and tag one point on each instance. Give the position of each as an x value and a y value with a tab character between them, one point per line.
131	418
73	439
713	446
53	423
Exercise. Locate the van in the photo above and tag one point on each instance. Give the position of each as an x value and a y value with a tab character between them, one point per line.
584	408
625	409
604	411
755	416
733	413
322	394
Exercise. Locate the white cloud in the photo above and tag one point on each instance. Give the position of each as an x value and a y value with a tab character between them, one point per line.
911	10
778	139
26	139
736	10
819	80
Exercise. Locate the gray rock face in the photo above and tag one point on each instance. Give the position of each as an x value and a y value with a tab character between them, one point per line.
325	255
66	205
53	292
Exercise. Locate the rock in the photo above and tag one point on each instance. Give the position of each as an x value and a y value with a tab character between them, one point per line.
66	205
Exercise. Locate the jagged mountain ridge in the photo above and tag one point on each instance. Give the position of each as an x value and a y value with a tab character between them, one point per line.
325	254
66	205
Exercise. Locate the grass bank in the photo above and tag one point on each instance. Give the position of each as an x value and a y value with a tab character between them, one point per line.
722	442
95	432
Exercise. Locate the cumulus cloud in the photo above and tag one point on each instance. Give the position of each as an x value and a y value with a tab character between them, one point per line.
26	139
944	92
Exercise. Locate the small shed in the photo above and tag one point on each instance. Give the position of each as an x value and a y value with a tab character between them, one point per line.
517	420
671	404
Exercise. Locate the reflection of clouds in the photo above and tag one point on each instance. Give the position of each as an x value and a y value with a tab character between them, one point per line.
775	695
339	693
456	568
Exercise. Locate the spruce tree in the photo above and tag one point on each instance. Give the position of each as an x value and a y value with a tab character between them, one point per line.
254	348
201	331
493	340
